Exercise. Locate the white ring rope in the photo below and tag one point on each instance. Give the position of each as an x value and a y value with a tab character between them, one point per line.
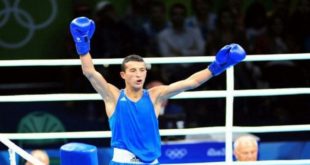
19	150
150	60
163	132
184	95
229	94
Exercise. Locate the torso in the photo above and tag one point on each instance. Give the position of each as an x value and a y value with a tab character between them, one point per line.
130	118
111	104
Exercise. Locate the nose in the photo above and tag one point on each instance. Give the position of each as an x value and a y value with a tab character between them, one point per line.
138	73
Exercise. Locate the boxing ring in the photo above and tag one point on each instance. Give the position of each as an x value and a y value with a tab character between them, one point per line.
229	94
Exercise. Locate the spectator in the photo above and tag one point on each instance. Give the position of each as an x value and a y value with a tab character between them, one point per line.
155	24
134	19
109	32
246	148
299	27
255	22
111	39
203	19
236	8
280	7
275	39
226	31
300	36
41	155
276	42
179	40
255	27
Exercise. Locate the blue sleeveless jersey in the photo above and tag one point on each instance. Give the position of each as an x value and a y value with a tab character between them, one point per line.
134	127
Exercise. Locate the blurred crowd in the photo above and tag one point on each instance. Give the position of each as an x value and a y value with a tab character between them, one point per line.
151	28
154	28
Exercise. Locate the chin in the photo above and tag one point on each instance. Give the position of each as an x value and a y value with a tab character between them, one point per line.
140	87
137	87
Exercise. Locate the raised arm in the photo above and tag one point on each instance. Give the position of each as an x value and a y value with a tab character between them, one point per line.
105	89
228	56
82	30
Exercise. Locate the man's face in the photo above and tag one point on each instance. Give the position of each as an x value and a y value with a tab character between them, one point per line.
157	14
177	17
246	152
134	74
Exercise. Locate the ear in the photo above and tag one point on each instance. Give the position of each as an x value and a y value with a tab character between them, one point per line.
122	74
235	154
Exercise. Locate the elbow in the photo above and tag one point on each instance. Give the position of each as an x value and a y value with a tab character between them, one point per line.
194	84
88	73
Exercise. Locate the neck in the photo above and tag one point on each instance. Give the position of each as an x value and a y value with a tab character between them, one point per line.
202	17
178	29
133	94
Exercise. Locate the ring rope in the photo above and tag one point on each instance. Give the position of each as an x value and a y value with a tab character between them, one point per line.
150	60
184	95
163	132
19	150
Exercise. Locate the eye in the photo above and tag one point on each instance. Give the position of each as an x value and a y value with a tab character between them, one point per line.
132	70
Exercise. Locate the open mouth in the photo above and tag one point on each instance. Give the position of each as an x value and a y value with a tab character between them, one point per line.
139	81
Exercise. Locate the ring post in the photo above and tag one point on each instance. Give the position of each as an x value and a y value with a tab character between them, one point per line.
78	154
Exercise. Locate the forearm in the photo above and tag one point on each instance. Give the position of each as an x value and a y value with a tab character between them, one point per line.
88	67
194	81
199	78
94	77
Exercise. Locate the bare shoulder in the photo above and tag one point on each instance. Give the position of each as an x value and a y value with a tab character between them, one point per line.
155	92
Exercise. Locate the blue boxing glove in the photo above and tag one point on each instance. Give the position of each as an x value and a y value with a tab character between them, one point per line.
228	56
82	29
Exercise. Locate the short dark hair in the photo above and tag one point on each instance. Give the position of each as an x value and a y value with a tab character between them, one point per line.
132	57
177	6
159	4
